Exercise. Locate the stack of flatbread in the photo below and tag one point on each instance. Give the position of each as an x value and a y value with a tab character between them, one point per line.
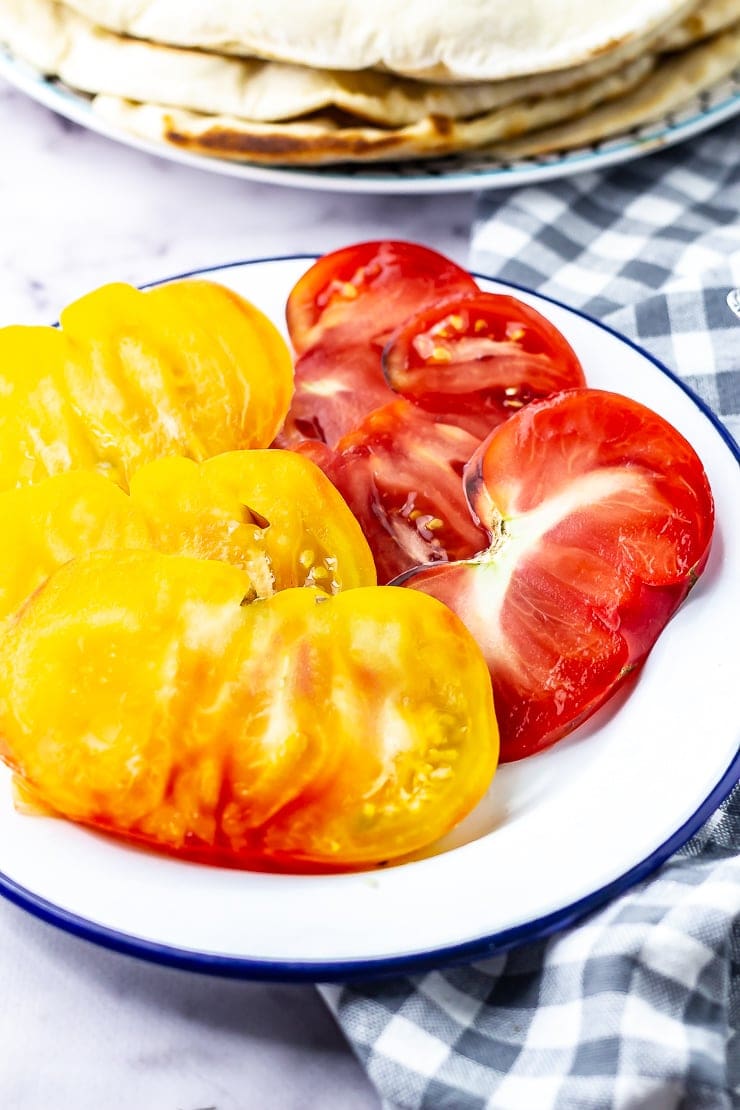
297	83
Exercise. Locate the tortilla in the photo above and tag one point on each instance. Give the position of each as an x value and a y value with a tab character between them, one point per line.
325	138
278	113
472	40
643	92
63	44
677	79
708	18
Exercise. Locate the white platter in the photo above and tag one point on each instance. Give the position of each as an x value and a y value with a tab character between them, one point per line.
453	174
557	835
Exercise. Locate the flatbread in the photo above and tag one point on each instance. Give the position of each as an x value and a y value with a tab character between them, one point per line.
325	138
472	40
278	113
677	79
707	18
61	43
642	92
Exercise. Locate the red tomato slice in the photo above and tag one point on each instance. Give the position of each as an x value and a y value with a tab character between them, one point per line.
336	386
367	290
400	472
481	356
600	518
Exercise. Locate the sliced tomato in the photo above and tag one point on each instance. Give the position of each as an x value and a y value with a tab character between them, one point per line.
336	386
142	694
479	356
340	316
400	472
367	290
600	519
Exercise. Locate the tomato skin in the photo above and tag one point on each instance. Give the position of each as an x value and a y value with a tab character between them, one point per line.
296	731
400	472
385	279
600	519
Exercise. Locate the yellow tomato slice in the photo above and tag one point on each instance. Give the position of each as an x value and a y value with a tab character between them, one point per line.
121	645
47	524
40	431
298	730
190	514
408	725
271	513
188	368
250	506
311	537
255	364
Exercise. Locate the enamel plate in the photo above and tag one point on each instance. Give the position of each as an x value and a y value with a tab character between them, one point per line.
558	834
439	175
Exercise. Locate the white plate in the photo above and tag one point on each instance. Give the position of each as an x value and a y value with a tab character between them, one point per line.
453	174
557	835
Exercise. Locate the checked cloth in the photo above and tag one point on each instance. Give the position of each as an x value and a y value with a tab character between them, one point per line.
637	1007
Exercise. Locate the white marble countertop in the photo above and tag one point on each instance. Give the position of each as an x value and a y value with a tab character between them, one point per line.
79	209
82	1028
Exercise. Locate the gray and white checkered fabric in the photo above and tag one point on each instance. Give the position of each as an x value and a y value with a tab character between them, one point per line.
638	1007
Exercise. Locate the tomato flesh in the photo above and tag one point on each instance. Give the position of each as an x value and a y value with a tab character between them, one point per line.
400	472
481	356
336	386
600	519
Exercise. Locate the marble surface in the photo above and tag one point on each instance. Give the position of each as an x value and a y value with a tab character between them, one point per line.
77	209
82	1028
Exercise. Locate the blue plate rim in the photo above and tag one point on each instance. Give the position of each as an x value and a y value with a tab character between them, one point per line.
290	971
